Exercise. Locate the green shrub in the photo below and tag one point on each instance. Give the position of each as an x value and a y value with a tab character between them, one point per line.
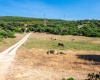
68	78
10	35
93	76
7	34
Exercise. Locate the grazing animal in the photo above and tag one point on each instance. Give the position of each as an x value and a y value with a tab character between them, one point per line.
54	39
52	52
60	44
72	39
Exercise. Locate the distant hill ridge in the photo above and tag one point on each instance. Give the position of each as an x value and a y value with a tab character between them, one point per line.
90	28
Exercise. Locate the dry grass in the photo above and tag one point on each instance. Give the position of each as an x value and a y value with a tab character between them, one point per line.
34	64
6	43
37	65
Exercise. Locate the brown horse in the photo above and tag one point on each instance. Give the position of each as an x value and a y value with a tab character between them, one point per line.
60	44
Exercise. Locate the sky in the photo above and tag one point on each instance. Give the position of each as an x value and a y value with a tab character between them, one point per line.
53	9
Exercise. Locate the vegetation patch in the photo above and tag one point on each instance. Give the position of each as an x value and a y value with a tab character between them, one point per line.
68	79
7	34
90	28
93	76
41	43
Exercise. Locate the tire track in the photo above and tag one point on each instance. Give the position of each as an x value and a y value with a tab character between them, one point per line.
7	56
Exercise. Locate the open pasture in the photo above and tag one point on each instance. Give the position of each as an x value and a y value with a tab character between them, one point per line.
82	56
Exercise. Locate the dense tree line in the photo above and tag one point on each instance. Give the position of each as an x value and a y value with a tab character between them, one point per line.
68	28
10	25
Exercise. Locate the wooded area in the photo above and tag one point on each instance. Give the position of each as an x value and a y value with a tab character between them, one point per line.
9	25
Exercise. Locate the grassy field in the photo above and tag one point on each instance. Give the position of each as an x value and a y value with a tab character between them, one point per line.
32	62
42	41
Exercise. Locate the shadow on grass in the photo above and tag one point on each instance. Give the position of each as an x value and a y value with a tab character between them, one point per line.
94	58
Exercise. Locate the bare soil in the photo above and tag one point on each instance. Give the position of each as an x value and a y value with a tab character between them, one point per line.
7	57
35	64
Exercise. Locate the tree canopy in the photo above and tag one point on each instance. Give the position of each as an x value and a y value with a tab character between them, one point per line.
90	28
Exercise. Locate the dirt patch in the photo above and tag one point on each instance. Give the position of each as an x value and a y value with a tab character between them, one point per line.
37	65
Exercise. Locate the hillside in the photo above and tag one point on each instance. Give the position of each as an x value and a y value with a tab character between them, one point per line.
11	25
81	53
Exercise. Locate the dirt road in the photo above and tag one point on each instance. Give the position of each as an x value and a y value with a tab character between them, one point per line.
7	57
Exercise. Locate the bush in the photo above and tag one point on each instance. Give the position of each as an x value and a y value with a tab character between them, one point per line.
10	35
93	76
68	79
7	34
19	30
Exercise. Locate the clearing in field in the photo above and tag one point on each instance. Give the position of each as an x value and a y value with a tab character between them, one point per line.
81	56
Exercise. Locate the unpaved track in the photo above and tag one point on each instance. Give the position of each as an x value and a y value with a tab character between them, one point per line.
7	57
